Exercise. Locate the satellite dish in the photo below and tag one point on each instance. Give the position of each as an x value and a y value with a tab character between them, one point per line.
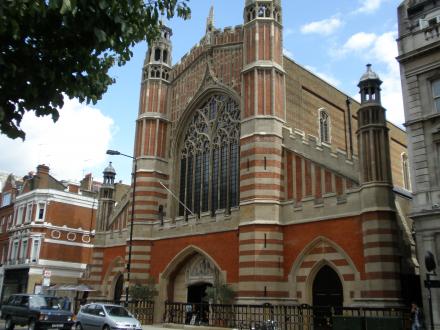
430	261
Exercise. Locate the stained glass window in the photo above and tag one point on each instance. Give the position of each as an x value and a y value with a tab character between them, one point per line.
209	160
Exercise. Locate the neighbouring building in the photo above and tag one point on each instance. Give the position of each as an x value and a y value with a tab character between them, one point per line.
419	58
47	227
291	192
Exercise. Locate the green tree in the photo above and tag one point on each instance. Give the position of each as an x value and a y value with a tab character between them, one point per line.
53	47
146	291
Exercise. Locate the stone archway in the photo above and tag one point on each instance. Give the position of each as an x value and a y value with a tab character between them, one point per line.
189	267
319	253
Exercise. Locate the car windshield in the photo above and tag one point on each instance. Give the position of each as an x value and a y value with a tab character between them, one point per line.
45	302
117	311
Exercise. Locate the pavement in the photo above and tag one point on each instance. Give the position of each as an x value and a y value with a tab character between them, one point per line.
167	326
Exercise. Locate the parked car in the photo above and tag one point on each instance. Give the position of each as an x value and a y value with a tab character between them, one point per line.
100	316
36	312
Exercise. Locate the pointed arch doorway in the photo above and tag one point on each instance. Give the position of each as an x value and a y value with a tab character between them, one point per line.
327	294
118	289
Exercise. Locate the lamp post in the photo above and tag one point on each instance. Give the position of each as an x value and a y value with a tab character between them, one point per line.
430	266
130	240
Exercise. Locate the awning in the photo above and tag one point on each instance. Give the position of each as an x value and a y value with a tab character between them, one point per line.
71	287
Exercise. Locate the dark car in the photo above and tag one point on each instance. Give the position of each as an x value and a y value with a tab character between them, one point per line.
36	312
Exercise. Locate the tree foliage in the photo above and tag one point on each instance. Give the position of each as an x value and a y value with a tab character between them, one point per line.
53	47
220	294
140	291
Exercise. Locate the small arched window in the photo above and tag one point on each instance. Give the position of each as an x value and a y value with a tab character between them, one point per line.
209	158
324	126
157	54
405	172
165	56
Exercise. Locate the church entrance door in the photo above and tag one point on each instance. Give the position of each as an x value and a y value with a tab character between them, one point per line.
197	296
197	293
118	289
327	293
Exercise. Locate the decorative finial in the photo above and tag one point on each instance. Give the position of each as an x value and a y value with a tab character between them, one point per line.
210	19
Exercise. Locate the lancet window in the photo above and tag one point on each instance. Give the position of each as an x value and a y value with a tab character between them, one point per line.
209	159
324	126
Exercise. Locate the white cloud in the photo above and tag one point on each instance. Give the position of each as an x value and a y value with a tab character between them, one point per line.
358	42
381	51
75	143
328	78
369	6
288	53
324	27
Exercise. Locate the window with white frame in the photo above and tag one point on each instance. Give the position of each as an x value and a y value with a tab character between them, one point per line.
35	251
324	126
23	249
14	250
28	216
405	172
41	210
436	94
19	219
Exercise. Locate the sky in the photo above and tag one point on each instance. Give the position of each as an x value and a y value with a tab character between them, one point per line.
332	39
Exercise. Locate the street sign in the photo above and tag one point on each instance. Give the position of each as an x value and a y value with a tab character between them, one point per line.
432	284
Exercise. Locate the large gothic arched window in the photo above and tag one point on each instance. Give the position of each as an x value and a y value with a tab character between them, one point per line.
209	158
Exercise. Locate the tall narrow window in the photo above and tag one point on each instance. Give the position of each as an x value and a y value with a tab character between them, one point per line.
27	218
35	251
209	160
14	250
405	172
23	249
40	211
19	219
324	126
436	94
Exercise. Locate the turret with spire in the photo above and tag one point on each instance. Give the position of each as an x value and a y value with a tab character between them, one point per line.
382	269
106	198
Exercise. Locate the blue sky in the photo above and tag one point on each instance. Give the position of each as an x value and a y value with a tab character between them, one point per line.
333	39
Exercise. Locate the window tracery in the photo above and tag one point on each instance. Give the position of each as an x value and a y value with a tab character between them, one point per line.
209	158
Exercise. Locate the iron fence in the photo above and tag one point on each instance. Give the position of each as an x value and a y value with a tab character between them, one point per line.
283	317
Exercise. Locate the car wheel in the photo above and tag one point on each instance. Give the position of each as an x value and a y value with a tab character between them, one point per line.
105	327
9	325
32	325
78	326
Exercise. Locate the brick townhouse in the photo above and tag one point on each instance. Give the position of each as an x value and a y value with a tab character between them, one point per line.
47	227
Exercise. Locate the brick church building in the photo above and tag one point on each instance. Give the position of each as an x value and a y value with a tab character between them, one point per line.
290	191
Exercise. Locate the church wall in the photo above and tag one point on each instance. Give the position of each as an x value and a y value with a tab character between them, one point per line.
110	254
226	62
222	247
346	232
307	93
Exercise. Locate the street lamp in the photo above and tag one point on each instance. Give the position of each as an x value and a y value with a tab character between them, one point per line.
130	240
430	266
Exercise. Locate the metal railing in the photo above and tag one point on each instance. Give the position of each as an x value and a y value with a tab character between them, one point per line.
279	317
